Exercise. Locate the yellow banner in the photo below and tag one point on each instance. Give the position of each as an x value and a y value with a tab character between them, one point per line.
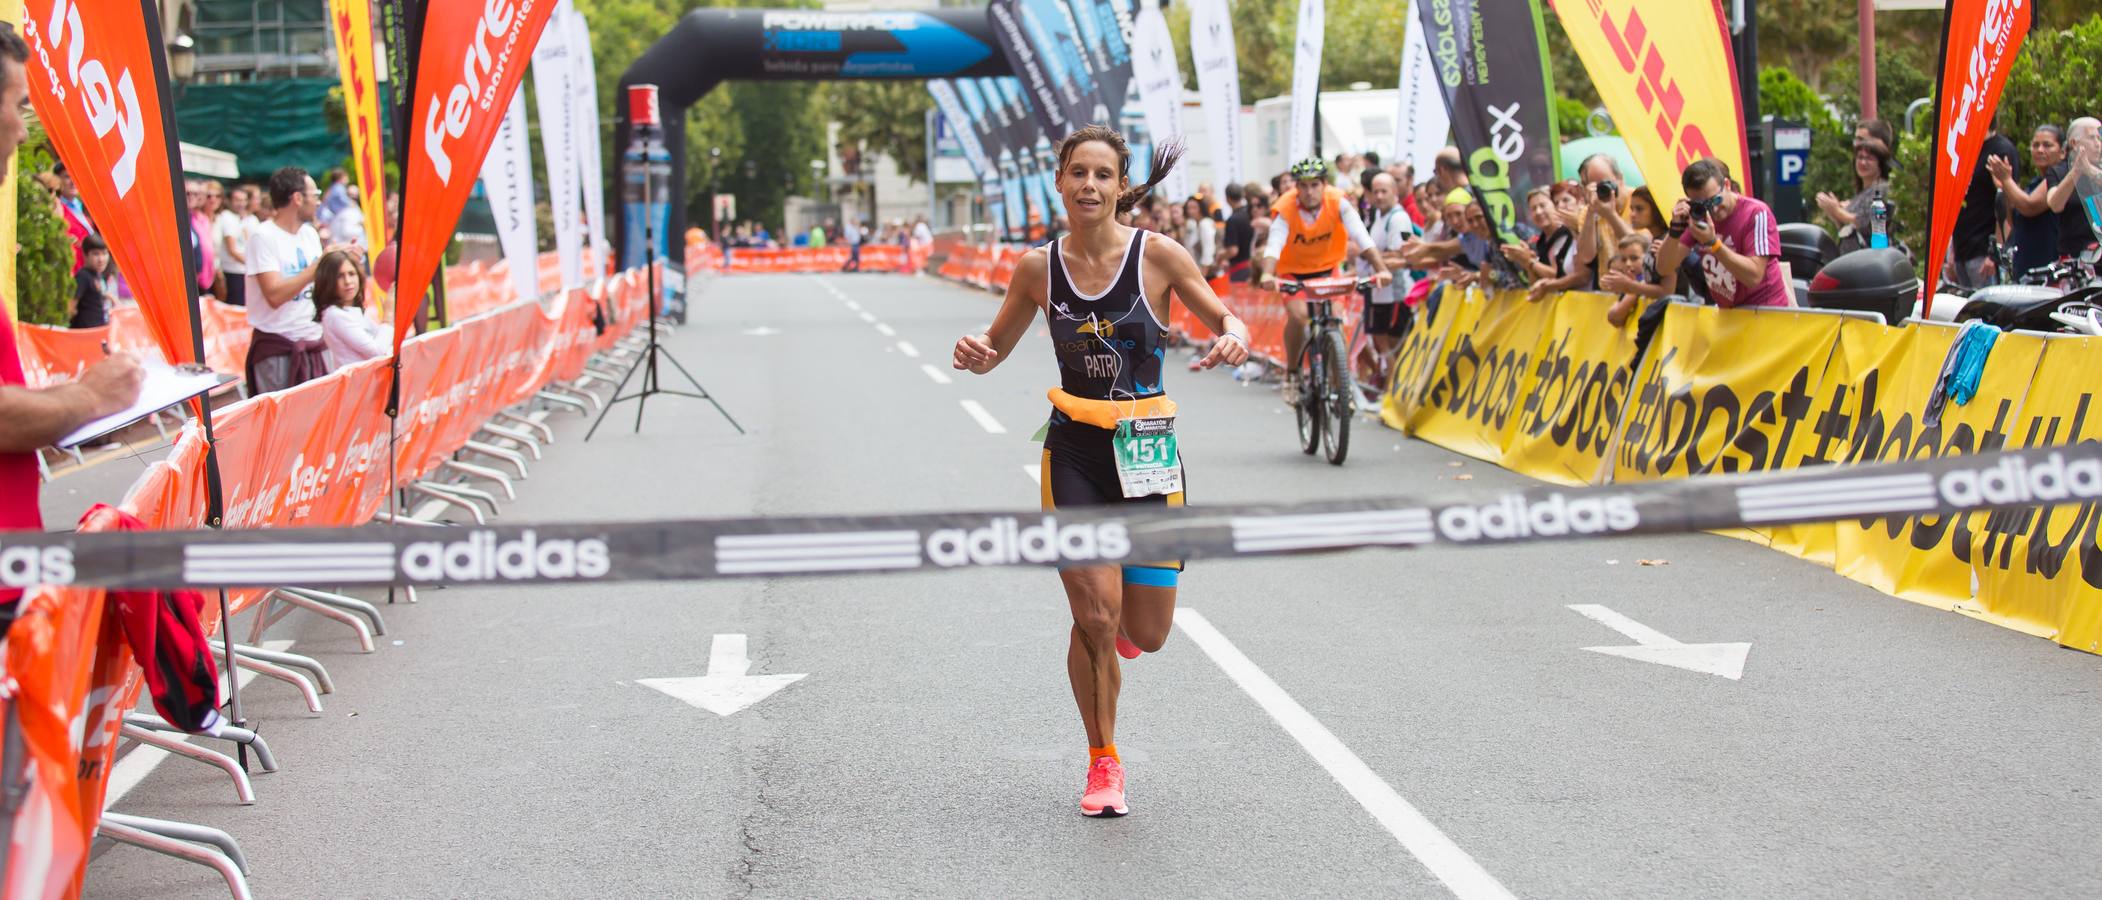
1487	371
1729	391
11	13
1664	70
1417	364
1584	374
1895	372
351	22
2040	569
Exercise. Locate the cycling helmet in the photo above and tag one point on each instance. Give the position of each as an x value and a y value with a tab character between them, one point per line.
1310	168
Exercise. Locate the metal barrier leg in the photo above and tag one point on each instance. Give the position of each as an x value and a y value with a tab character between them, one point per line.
180	747
229	733
125	830
502	481
526	441
316	672
418	487
560	400
349	617
341	602
516	459
547	435
187	831
595	400
271	670
460	490
386	518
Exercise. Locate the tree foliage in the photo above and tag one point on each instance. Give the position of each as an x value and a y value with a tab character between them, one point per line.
886	117
44	254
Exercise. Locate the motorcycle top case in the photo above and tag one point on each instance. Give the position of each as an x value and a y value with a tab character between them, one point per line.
1880	281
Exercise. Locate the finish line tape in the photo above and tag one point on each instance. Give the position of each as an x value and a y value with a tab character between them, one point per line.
680	550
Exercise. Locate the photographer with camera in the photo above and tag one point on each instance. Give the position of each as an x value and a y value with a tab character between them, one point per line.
1734	239
1605	218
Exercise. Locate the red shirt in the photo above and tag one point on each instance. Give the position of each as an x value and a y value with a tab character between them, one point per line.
19	510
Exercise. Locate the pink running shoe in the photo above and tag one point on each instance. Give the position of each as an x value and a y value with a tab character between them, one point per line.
1127	649
1105	789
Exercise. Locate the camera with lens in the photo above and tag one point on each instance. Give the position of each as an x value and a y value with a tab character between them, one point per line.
1607	190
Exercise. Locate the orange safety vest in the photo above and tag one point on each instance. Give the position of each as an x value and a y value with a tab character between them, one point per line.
1319	247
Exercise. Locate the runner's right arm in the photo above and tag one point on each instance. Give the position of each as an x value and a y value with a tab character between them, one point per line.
980	353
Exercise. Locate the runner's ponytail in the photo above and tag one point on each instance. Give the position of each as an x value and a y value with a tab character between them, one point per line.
1165	156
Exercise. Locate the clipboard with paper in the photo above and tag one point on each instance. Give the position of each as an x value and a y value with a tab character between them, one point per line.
163	386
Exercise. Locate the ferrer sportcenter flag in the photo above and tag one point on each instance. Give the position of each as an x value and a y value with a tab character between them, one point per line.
1665	71
467	74
1492	67
351	20
1978	44
99	81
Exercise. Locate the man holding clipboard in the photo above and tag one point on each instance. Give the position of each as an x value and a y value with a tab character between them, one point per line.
30	419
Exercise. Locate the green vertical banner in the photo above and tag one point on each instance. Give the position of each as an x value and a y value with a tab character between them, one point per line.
1491	60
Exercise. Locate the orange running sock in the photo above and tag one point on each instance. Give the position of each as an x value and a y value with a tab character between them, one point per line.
1095	753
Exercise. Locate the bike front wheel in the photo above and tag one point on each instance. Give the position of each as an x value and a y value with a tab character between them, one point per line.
1337	396
1310	407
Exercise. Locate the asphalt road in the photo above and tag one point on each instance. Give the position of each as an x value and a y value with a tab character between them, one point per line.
498	742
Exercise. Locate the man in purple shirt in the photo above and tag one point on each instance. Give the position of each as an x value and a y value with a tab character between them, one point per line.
1733	238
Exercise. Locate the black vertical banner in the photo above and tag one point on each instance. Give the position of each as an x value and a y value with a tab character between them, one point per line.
402	23
1498	93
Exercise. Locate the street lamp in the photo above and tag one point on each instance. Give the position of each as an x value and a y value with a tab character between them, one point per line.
715	163
182	57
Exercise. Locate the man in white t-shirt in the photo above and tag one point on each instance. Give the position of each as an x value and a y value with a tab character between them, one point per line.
230	231
1387	317
283	253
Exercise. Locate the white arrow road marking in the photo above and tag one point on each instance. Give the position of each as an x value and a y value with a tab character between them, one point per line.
1035	473
985	419
886	330
726	689
939	376
1726	660
1452	865
908	349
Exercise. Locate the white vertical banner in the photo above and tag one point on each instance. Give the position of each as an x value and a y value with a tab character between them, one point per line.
1160	87
507	177
553	71
1422	121
1219	82
1306	77
591	161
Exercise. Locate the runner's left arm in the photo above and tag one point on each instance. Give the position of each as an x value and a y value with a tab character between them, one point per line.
1186	282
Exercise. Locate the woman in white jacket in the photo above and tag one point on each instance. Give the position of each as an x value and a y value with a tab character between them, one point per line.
339	305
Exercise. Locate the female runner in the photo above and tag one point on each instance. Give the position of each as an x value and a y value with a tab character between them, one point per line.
1104	289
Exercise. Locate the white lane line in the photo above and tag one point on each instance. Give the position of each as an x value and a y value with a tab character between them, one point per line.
939	376
886	330
985	419
1460	873
910	351
1036	474
868	317
140	762
850	304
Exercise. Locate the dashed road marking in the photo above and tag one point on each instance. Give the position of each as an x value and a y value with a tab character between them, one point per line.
985	419
939	376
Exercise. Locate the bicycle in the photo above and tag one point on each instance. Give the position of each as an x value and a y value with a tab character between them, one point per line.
1326	390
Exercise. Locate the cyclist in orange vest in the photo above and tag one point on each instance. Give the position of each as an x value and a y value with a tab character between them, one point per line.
1312	228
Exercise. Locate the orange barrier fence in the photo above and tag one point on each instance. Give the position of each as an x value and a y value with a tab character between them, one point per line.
874	258
57	355
52	355
314	455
